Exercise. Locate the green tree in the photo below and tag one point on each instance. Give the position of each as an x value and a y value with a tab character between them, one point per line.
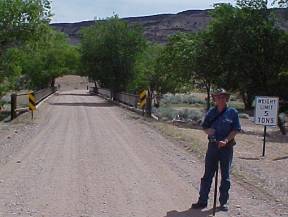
37	63
146	76
251	46
206	63
20	22
174	63
190	59
11	70
241	50
109	50
49	58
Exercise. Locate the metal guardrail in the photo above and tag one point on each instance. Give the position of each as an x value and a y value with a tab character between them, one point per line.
19	102
42	94
104	92
128	99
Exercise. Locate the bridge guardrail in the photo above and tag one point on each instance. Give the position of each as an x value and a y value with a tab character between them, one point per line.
19	102
128	99
104	92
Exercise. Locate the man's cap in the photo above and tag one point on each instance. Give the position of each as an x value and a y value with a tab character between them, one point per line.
220	91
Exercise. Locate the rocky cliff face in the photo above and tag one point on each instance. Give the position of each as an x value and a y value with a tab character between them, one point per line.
158	28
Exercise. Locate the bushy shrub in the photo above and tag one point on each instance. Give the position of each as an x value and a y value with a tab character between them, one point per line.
181	99
184	115
193	115
168	113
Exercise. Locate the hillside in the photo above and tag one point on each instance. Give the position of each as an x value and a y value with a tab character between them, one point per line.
157	28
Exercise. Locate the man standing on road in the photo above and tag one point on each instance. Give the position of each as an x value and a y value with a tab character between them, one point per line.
221	124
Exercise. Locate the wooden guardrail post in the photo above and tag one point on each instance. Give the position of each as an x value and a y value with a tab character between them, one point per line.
149	103
32	103
13	105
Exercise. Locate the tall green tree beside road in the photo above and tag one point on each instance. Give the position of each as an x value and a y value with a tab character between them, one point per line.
174	64
252	48
50	57
32	54
207	67
109	50
190	59
242	50
146	76
20	22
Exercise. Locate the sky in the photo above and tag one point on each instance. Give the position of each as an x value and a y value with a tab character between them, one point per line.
69	11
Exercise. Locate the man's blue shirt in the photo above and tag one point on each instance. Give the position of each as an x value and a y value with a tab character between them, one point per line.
224	124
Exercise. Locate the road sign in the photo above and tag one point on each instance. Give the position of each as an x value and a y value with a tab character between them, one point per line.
143	98
32	102
266	110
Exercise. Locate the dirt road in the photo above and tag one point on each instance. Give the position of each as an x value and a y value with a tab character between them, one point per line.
84	157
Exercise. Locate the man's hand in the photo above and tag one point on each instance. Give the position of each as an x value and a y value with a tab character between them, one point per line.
222	143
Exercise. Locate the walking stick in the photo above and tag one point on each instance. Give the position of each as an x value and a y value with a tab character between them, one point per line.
215	192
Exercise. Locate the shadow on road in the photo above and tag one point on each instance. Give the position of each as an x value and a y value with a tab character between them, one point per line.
86	104
190	213
73	94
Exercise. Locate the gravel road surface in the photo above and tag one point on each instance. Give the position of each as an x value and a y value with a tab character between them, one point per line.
84	157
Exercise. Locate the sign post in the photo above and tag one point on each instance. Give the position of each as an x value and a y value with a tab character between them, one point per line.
266	112
264	141
13	106
32	103
143	99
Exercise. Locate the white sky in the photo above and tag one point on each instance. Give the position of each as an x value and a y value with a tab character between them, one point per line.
80	10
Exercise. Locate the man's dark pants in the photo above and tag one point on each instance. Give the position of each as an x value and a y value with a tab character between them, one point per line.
224	156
